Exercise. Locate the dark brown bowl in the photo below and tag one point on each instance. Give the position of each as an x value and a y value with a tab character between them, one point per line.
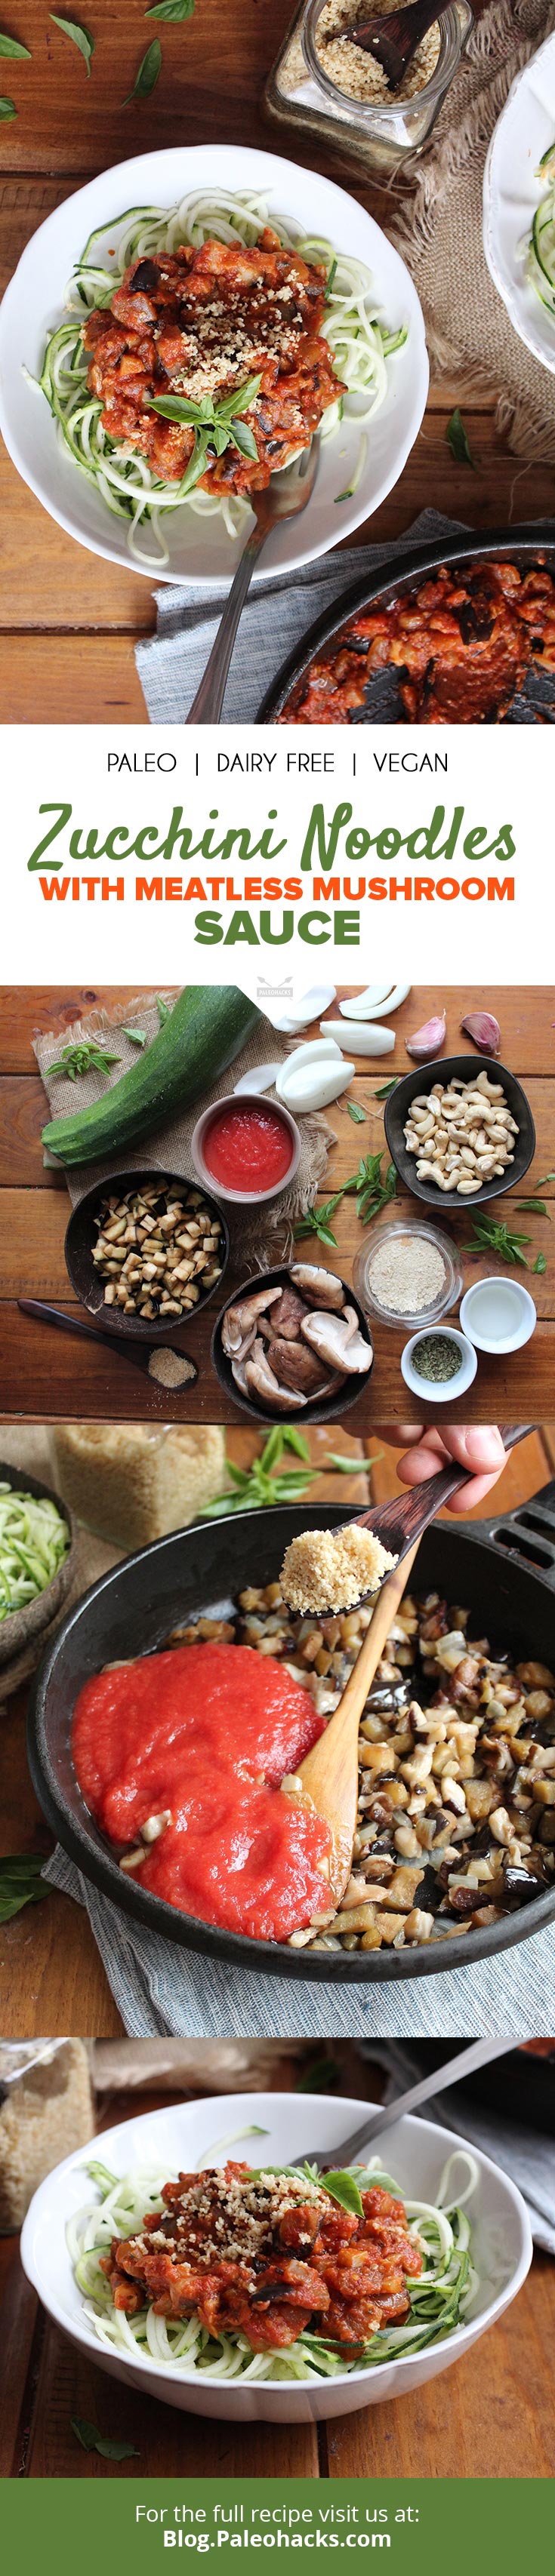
79	1245
331	1408
522	546
18	1630
422	1078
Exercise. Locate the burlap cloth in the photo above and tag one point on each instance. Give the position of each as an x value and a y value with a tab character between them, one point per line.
260	1236
32	1449
439	234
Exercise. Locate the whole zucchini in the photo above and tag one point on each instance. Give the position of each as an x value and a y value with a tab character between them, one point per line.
205	1030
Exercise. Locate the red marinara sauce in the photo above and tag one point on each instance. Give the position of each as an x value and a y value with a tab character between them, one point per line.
207	1732
247	1148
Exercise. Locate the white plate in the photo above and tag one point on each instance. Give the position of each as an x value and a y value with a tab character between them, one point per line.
201	549
294	2124
512	191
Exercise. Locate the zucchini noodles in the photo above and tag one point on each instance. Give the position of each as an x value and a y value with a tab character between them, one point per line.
539	245
440	2299
358	337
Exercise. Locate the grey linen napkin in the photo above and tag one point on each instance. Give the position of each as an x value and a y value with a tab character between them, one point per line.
161	1991
275	618
523	2152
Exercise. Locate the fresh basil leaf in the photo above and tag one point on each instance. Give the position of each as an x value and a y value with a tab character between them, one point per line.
176	407
243	438
219	437
319	2077
11	51
80	36
457	440
136	1037
163	1009
540	1264
7	108
342	2187
172	10
91	2440
238	401
386	1087
148	73
21	1883
196	465
356	1113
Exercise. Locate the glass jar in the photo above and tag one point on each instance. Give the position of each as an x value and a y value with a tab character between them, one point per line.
131	1482
377	134
404	1234
46	2109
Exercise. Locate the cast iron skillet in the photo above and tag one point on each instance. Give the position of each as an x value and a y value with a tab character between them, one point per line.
516	545
518	2087
503	1568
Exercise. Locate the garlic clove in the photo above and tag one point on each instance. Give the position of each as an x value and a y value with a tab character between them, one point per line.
364	1036
485	1031
314	1086
373	1004
306	1007
260	1078
427	1041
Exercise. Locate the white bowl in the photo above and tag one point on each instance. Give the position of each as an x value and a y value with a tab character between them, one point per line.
512	192
294	2124
431	1390
525	1316
200	548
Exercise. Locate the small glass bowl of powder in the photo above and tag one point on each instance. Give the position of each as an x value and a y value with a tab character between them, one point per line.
407	1273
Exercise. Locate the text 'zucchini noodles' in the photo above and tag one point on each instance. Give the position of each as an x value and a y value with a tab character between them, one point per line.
358	338
440	2299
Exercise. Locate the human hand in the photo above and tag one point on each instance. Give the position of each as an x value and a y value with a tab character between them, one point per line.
476	1446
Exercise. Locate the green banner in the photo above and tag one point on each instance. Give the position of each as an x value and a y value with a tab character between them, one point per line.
418	2527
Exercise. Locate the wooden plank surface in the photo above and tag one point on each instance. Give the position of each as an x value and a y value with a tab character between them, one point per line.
490	2415
51	1977
214	68
44	1373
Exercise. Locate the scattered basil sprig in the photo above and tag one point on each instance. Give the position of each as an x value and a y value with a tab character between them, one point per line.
355	1112
91	2440
318	1221
386	1087
80	36
372	1193
457	440
84	1057
540	1264
11	51
148	73
7	108
171	10
21	1883
489	1237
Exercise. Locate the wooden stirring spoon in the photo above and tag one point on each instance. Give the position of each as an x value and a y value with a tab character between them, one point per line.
392	41
329	1773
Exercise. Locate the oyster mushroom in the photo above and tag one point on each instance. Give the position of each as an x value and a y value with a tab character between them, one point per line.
296	1366
260	1381
338	1342
319	1287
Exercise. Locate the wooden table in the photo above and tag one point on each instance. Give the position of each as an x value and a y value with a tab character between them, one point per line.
51	1975
47	1373
492	2415
54	594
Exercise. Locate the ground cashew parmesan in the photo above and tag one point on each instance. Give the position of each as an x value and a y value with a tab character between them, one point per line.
332	1569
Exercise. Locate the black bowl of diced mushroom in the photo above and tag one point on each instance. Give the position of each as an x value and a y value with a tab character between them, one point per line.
144	1251
460	1131
293	1344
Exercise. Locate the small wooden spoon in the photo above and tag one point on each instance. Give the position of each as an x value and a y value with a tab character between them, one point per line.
329	1772
392	41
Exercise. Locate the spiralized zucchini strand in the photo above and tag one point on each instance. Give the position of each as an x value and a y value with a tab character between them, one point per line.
538	246
360	343
439	2300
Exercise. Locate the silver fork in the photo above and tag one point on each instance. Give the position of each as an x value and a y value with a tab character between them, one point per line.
285	496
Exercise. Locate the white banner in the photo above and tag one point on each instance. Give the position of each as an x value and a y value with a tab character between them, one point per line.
258	856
